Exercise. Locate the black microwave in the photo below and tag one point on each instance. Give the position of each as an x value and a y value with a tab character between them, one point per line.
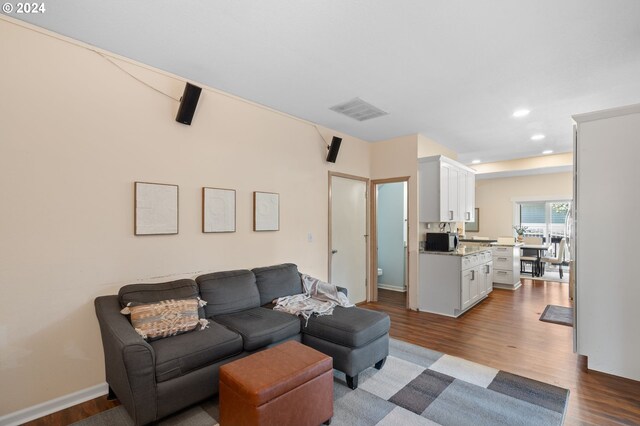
441	241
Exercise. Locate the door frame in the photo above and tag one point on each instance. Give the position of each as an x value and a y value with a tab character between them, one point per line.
367	227
373	272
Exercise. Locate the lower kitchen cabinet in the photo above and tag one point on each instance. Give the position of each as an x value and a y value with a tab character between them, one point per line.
452	283
506	260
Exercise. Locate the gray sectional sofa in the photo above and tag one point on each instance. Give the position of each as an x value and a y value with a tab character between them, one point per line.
157	378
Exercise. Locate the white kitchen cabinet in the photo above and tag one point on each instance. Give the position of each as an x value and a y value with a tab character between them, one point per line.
450	283
467	293
446	190
449	199
469	211
485	272
506	265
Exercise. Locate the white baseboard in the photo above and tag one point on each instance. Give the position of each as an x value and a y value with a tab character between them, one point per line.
512	287
392	287
40	410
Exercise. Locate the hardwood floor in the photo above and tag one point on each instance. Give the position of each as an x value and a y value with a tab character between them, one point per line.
502	332
75	413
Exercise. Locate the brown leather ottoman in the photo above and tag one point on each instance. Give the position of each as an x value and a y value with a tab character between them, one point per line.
289	384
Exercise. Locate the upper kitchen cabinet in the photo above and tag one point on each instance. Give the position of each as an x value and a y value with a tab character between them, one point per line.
469	211
446	190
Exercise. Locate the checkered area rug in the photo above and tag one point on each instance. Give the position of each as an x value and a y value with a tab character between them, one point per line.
416	386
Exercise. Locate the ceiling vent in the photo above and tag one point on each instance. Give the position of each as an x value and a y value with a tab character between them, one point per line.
358	110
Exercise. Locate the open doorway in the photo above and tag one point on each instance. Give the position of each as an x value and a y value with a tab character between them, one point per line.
390	255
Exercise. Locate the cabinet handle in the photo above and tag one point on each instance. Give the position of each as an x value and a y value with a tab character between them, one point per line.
502	272
502	258
451	214
488	269
473	275
468	216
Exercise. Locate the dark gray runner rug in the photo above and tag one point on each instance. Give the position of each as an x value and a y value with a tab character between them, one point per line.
416	386
558	315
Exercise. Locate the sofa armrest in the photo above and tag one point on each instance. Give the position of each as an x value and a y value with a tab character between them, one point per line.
129	361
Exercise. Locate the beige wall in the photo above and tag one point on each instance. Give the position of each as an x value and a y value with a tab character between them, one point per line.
395	158
540	162
494	198
75	133
398	157
428	147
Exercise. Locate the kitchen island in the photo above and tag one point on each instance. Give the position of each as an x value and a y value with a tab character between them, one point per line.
506	261
450	283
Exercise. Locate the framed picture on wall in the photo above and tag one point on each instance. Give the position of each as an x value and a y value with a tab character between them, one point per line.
266	211
218	210
475	225
156	209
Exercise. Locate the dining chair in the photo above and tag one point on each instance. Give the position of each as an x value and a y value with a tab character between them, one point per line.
530	256
528	260
559	259
532	240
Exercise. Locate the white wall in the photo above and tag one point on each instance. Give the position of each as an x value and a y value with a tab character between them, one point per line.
75	133
606	273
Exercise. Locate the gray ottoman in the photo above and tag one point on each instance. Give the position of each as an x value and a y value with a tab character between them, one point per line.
356	338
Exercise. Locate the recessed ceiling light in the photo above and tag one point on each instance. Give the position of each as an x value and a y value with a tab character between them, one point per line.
537	137
475	162
547	151
521	113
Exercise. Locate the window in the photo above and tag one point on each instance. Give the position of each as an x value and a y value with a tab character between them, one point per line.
546	219
533	216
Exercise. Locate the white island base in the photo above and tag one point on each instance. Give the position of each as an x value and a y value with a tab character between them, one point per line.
506	263
452	283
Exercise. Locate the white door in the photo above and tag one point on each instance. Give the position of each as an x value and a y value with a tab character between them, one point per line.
349	236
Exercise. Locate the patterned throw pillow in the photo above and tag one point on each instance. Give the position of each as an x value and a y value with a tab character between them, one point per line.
166	318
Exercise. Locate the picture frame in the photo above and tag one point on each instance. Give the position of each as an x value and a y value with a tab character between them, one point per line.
475	225
266	211
155	208
218	210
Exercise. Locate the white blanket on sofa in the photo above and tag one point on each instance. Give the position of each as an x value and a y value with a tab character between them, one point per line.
319	298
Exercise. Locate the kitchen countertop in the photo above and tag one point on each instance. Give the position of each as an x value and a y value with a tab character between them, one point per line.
479	241
513	244
461	251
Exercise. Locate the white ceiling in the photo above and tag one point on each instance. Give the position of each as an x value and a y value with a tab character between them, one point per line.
452	70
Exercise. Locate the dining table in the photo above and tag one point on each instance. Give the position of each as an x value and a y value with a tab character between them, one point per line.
540	249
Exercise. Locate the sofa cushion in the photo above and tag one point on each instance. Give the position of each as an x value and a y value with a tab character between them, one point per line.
179	355
229	291
151	293
260	327
277	281
352	327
